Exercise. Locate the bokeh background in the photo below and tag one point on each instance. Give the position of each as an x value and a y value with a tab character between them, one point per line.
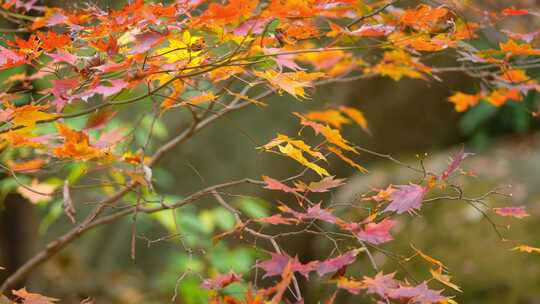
410	120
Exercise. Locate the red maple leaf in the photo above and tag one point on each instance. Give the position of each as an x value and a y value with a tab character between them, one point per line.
221	281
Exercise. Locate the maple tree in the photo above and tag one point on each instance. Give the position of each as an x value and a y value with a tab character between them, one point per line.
76	73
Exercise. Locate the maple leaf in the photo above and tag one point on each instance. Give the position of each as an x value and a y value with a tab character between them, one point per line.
297	155
511	11
514	76
60	90
381	284
382	195
517	212
351	285
37	192
526	37
221	281
27	166
33	298
444	279
277	219
526	248
293	83
372	30
313	212
300	144
274	184
200	99
291	9
397	64
181	50
501	96
357	116
406	198
145	41
233	11
336	263
377	233
324	185
332	117
419	294
99	119
76	145
278	263
423	17
334	137
51	40
63	56
512	48
9	58
429	259
456	162
114	87
282	61
29	115
463	101
347	160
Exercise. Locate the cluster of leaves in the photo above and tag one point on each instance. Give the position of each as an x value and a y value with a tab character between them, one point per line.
77	76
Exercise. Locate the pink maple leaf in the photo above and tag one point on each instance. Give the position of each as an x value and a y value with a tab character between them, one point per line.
517	212
145	41
381	284
419	294
116	85
377	233
8	57
63	56
60	90
456	162
283	60
274	184
334	264
406	198
278	262
316	212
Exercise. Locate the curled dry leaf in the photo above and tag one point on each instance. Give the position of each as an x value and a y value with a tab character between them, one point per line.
69	207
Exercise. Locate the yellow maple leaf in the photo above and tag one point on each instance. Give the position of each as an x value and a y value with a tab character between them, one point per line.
300	144
332	117
357	116
334	137
293	83
182	49
297	155
28	115
444	279
526	248
463	101
347	160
